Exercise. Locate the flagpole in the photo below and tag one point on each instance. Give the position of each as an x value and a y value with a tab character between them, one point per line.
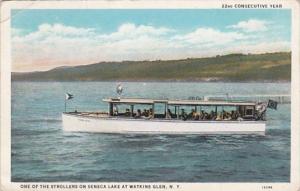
68	96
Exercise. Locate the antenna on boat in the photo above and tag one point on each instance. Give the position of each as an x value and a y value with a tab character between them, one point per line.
119	90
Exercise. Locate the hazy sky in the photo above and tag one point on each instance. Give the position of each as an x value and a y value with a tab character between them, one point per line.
45	39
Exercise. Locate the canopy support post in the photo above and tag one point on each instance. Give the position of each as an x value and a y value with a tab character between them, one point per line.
131	110
152	111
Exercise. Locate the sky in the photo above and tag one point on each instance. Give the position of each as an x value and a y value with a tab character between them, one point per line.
46	39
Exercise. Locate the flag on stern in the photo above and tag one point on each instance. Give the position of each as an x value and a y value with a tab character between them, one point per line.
272	104
69	96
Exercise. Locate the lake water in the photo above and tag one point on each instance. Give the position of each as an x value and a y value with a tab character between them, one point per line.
41	151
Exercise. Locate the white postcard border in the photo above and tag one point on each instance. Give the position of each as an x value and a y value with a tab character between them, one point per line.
6	183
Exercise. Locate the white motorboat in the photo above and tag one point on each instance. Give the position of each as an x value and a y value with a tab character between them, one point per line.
163	116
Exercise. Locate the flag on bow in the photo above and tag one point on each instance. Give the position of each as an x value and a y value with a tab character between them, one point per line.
69	96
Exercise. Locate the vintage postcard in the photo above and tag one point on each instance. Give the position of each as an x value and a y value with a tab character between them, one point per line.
150	95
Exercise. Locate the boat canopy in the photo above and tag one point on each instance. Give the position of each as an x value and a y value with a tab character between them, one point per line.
129	101
177	102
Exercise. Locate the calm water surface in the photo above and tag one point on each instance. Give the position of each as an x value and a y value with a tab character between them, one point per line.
41	151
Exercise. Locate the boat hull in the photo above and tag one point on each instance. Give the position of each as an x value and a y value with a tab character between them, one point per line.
75	123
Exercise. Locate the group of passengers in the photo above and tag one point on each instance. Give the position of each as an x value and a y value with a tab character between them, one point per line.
147	113
193	115
202	115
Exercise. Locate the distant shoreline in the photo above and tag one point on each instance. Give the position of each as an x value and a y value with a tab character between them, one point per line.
267	67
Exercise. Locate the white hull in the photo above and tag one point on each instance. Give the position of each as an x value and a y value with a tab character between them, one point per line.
75	123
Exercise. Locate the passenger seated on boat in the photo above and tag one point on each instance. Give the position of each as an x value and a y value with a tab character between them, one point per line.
223	114
227	116
127	112
138	114
149	114
145	113
191	114
183	115
202	115
196	116
215	115
115	112
150	111
212	115
239	118
182	112
234	115
209	116
219	117
169	114
205	116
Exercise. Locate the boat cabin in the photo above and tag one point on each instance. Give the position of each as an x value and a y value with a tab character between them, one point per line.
182	109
